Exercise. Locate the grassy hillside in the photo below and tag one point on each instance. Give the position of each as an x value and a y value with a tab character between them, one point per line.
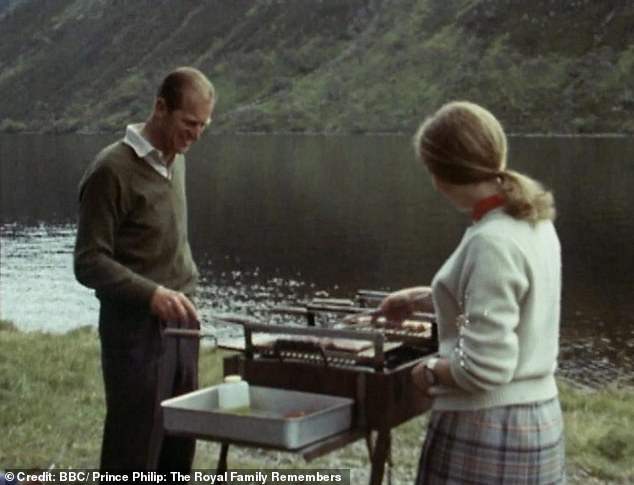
321	65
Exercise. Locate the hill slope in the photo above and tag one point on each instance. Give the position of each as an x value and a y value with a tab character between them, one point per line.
320	65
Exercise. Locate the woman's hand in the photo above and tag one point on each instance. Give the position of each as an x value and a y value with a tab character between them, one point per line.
400	305
418	378
441	380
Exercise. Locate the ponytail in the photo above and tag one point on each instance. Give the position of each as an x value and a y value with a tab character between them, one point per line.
526	199
463	143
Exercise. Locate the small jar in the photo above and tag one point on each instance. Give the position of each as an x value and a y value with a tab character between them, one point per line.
233	393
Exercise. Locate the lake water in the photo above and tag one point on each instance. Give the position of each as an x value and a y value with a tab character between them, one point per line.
277	218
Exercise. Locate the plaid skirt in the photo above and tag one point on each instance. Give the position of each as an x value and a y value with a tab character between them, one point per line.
510	445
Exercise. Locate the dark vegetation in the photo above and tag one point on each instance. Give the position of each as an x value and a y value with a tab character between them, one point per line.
332	66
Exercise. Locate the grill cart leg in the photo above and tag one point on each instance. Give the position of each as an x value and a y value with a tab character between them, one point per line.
222	459
369	444
380	453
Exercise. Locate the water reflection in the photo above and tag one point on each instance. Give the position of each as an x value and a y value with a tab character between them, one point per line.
36	290
273	219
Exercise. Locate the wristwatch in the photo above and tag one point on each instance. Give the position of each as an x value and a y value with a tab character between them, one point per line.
428	371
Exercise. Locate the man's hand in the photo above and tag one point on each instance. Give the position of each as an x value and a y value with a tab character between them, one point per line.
173	305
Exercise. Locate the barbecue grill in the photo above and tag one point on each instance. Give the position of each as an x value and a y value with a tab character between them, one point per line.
368	365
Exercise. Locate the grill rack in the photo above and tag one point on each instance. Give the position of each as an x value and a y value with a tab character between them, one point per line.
365	302
310	351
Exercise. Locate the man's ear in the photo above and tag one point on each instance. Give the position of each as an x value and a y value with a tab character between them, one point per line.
160	107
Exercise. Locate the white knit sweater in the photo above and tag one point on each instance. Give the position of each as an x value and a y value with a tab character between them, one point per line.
497	298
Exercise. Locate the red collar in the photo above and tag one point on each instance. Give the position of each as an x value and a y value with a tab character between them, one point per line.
485	205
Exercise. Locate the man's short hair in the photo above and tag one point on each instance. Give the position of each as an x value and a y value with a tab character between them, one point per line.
173	87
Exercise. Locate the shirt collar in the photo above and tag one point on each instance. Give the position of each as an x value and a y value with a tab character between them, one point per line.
483	206
141	146
145	150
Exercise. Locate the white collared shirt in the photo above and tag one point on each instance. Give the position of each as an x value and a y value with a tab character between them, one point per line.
145	150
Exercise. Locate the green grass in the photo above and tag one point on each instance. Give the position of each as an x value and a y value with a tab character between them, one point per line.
51	411
51	397
600	431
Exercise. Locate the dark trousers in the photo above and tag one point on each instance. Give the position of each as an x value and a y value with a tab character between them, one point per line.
141	368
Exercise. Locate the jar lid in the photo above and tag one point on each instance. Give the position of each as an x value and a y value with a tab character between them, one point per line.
233	378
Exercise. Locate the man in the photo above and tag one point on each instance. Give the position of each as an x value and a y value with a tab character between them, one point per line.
132	248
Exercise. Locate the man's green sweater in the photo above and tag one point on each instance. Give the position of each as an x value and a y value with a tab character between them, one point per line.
132	233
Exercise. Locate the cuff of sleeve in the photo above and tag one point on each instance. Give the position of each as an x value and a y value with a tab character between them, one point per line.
143	291
457	366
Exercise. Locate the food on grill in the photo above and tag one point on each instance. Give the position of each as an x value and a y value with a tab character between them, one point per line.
301	343
349	345
417	326
363	320
414	326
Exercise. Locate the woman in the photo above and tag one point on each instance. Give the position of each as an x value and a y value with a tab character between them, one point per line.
496	416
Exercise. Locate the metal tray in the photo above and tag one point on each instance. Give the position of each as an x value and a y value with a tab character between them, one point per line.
269	422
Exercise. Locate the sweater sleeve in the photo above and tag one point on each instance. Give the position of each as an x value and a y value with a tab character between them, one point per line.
493	282
102	208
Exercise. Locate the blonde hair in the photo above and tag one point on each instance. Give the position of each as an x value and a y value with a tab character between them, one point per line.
463	143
